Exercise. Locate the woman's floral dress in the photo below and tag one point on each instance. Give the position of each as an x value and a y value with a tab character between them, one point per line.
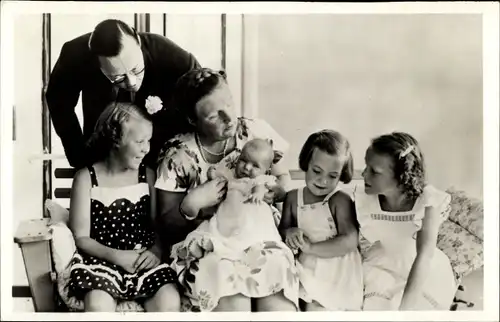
262	269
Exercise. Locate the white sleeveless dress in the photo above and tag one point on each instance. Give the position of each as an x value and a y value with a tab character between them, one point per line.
336	283
391	251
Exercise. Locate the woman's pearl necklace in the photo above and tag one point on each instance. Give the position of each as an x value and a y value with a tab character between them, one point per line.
223	153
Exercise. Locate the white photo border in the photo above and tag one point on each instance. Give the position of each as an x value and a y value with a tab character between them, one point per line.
490	14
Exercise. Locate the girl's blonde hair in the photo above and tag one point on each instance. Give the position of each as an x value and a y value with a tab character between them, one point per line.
108	130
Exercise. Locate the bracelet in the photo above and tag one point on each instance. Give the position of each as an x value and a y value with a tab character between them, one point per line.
184	214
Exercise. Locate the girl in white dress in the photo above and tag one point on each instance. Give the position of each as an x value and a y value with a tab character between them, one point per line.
399	217
319	223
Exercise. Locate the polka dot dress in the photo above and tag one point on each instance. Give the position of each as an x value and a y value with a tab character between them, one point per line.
123	225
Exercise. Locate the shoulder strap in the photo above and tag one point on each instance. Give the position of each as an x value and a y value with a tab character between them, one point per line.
93	176
142	173
300	197
328	196
326	202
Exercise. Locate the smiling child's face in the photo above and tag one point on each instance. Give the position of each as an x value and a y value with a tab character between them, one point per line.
135	142
323	172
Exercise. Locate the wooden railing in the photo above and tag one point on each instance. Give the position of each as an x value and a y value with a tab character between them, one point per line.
68	173
300	175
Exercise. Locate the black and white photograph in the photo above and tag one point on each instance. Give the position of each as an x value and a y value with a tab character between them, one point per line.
217	160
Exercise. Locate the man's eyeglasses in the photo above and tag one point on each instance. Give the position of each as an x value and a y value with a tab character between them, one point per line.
121	78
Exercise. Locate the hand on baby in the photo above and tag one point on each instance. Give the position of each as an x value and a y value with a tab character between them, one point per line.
208	194
296	240
274	193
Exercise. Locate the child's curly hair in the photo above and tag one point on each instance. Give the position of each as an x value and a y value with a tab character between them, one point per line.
108	130
331	142
408	160
192	87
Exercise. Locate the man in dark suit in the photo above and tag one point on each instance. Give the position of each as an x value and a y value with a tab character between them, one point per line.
114	63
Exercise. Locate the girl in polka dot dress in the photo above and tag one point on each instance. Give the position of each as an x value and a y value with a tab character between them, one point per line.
112	214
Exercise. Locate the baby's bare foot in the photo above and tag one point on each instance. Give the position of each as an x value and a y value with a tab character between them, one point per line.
57	212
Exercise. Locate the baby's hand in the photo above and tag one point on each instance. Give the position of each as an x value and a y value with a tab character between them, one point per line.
257	197
258	193
211	172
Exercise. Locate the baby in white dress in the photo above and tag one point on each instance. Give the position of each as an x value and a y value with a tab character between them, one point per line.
243	218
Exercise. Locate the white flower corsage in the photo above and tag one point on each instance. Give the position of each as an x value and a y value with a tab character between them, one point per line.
153	104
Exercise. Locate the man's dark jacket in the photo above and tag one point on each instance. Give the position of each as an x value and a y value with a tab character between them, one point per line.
77	70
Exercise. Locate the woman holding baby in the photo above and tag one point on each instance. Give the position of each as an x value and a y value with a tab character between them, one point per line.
264	271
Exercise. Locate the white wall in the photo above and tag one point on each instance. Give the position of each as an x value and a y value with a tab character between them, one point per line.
365	75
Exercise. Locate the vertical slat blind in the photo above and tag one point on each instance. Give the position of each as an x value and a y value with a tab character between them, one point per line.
215	40
46	126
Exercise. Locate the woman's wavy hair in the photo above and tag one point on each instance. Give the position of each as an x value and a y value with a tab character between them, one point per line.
407	158
333	143
108	130
191	88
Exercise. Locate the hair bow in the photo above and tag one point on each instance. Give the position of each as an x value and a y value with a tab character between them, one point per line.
405	152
